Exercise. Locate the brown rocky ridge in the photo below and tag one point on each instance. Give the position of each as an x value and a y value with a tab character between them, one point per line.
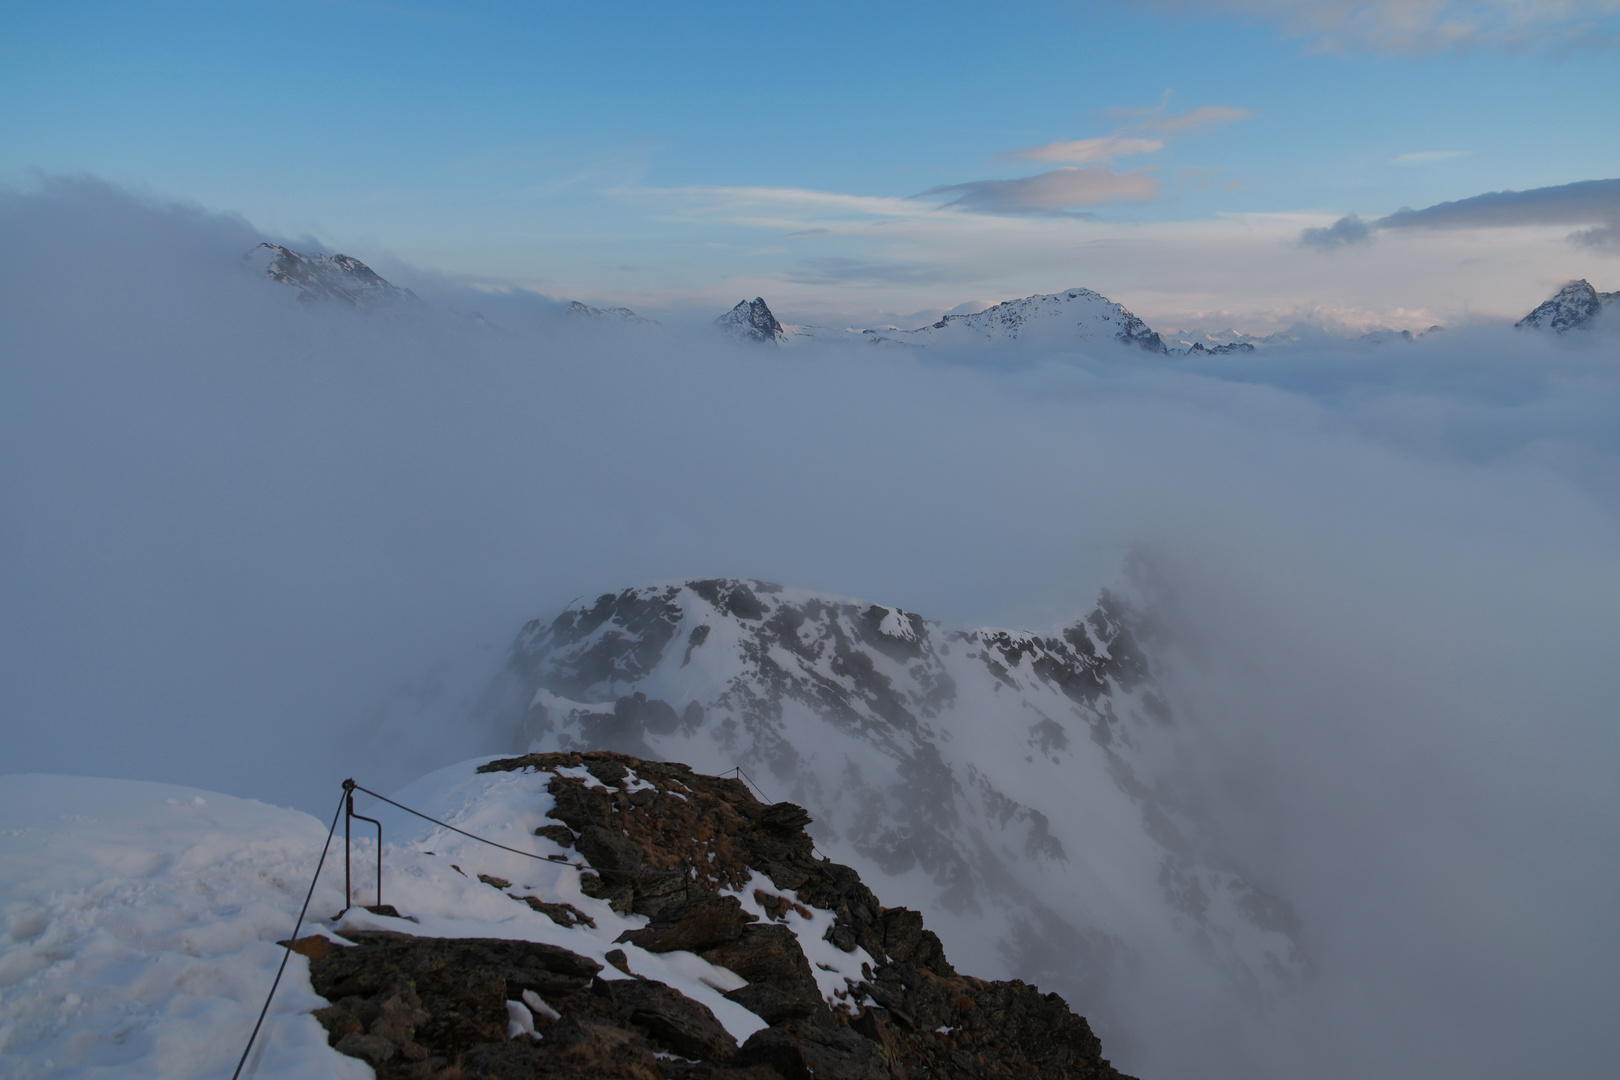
666	846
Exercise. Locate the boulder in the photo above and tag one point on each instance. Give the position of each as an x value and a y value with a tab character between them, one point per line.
693	925
673	1020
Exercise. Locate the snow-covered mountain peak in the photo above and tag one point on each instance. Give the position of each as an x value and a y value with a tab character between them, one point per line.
327	277
1017	785
1057	321
1054	318
1574	307
751	320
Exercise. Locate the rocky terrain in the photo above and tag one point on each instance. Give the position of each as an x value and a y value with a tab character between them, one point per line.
1574	307
720	874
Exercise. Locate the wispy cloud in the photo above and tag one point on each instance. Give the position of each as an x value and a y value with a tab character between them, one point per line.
1158	119
1099	151
1085	179
1593	203
1422	156
1418	27
1055	192
843	271
1144	135
1202	117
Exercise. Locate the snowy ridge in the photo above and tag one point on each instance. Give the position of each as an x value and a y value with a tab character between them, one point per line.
327	277
1009	784
1576	306
1068	317
621	314
1058	320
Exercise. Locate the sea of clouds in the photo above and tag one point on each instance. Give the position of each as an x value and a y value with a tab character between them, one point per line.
255	546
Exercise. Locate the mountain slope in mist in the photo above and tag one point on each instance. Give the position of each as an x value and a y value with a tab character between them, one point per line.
1011	784
1574	307
327	277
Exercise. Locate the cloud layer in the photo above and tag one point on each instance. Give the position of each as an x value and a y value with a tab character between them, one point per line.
1588	202
238	525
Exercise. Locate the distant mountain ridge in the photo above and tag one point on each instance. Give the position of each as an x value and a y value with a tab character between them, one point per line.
1054	320
1060	320
622	314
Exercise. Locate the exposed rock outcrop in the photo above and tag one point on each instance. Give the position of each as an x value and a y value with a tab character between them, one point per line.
685	847
752	321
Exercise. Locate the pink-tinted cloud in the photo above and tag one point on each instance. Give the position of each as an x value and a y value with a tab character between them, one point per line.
1099	151
1058	191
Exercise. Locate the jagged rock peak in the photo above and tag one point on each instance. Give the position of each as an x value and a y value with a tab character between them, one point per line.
622	314
1197	349
328	277
751	320
1574	307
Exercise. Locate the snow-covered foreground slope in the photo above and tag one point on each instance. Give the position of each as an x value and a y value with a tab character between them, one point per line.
141	918
140	930
1013	786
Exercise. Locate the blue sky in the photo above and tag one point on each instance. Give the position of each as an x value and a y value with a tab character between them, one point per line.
669	155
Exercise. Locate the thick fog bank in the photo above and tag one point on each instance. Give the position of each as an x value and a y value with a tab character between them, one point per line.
238	529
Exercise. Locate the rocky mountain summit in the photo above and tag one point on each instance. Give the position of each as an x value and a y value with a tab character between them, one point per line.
328	277
1019	787
1574	307
751	321
843	988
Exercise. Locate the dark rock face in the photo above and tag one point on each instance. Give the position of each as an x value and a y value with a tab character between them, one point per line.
1575	307
692	925
434	1008
751	320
